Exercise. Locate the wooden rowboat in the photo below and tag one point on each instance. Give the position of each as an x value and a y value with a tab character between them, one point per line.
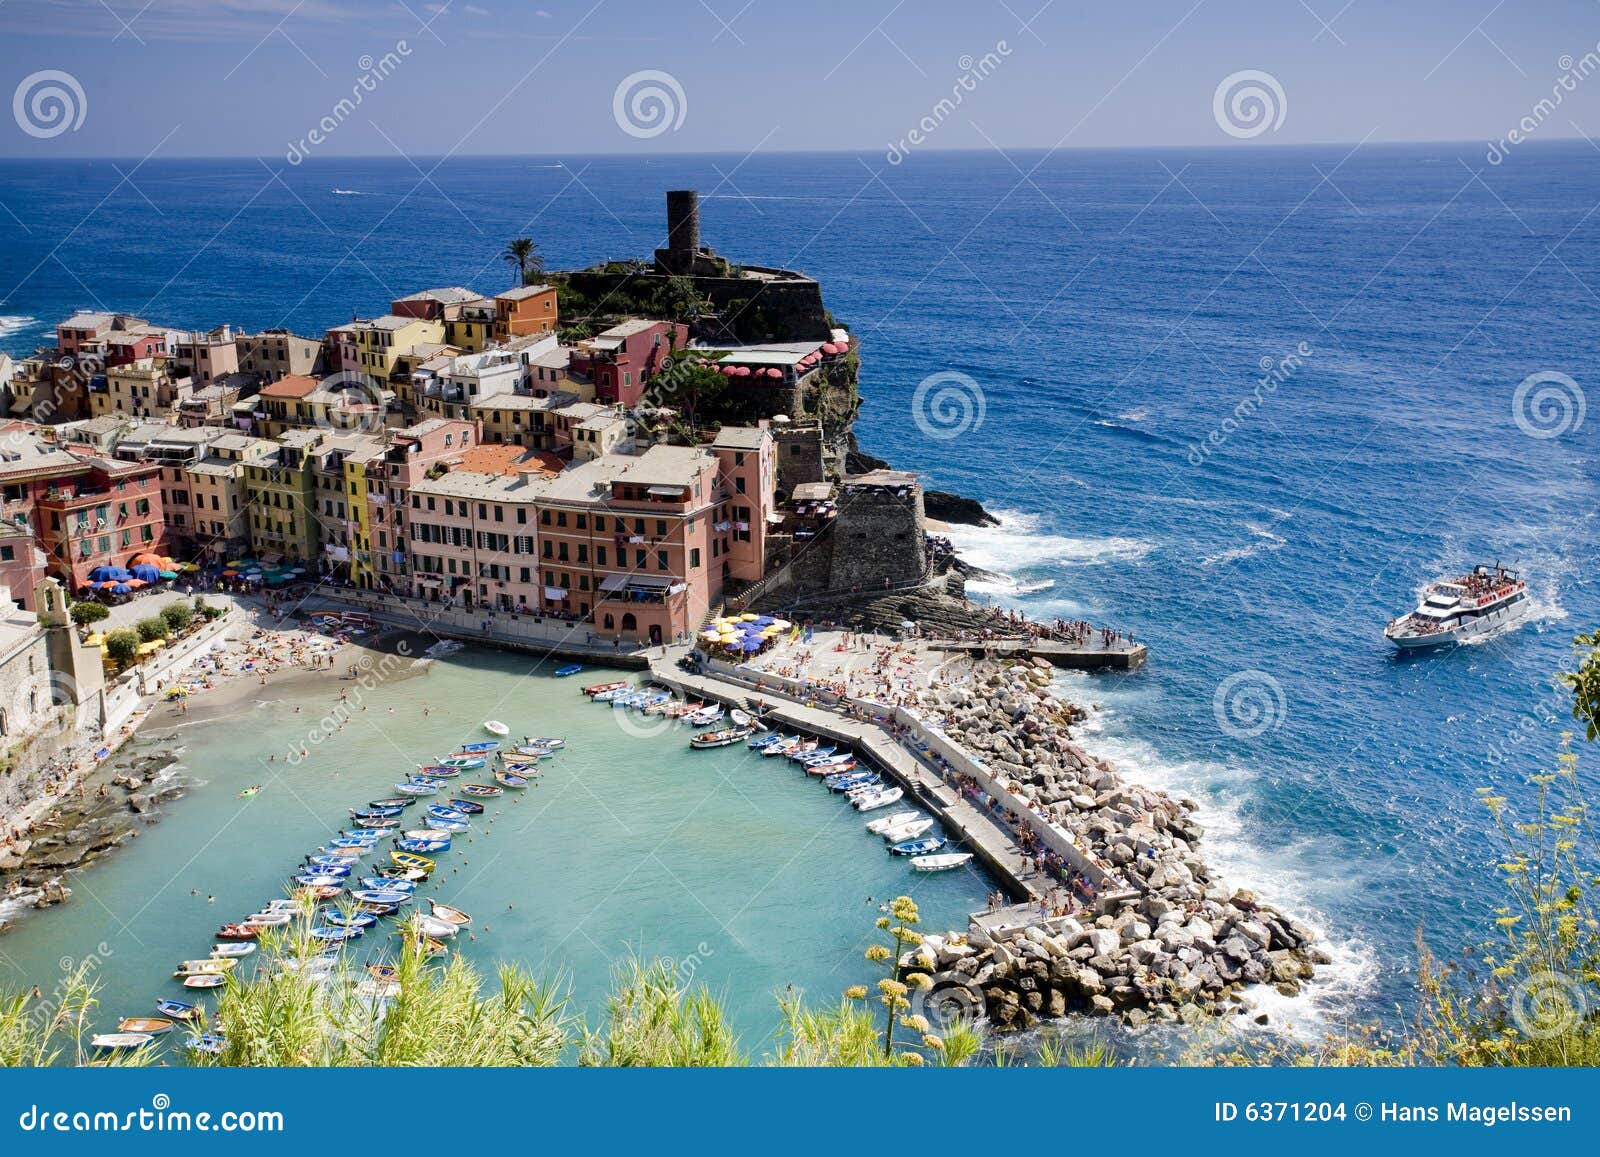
150	1025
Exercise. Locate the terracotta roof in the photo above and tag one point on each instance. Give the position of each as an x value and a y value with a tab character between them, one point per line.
291	386
505	458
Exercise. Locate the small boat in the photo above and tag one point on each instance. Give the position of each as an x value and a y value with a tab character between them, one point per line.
336	857
330	933
440	812
940	863
543	742
858	783
273	919
394	872
335	866
510	779
317	879
429	846
827	769
190	966
366	835
119	1040
284	904
434	772
757	742
480	748
454	915
495	727
236	948
387	884
599	688
463	762
239	931
684	710
525	751
879	826
814	753
205	980
354	844
431	947
783	747
797	750
923	847
324	892
417	788
910	830
392	801
706	717
745	719
449	827
613	692
383	972
383	825
386	812
434	927
178	1009
569	669
467	807
250	791
354	920
873	800
724	738
407	860
149	1025
514	762
817	759
209	1043
480	790
381	896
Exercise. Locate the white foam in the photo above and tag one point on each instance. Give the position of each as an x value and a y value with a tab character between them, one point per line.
1016	545
15	323
1265	541
353	193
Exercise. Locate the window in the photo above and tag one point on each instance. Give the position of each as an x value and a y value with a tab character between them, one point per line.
694	557
661	528
661	560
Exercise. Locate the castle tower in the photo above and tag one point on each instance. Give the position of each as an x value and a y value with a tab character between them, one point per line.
683	222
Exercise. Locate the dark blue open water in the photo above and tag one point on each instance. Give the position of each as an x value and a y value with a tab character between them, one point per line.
1113	308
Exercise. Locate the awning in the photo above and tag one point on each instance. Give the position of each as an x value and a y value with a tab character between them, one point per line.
428	581
555	594
664	491
613	582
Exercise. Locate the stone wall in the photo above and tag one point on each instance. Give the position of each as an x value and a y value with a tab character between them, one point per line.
878	539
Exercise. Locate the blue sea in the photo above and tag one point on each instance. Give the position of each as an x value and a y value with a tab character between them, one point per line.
1242	402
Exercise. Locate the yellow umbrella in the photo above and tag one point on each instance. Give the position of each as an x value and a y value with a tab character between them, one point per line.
748	617
96	640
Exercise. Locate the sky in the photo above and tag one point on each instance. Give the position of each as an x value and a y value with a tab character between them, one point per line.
182	78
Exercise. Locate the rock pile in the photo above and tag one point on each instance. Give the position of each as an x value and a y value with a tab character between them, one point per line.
1167	933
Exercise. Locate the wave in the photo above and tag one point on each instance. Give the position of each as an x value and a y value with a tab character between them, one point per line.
1016	545
15	323
353	193
1266	541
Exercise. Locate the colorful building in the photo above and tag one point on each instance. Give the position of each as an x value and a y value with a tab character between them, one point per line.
101	516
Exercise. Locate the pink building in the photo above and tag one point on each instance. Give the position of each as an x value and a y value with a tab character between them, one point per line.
621	359
411	453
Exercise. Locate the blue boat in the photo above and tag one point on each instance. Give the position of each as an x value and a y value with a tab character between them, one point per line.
382	825
398	801
417	788
327	866
851	779
563	672
319	880
757	742
210	1043
437	771
329	932
355	920
467	807
381	896
462	762
925	846
354	842
376	813
423	846
441	812
814	753
479	748
387	884
177	1009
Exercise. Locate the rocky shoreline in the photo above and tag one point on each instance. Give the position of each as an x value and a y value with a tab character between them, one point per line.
1174	941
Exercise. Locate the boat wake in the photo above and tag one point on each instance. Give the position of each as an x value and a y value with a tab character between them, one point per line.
1265	542
442	648
353	193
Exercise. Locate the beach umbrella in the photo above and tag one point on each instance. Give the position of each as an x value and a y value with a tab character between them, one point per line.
121	589
146	559
230	573
774	373
750	645
765	620
136	583
782	624
748	617
168	574
146	572
100	573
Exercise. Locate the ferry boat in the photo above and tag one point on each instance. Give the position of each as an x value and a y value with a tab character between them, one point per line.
1460	608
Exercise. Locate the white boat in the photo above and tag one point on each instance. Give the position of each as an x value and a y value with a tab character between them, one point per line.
120	1040
906	831
873	800
232	948
495	727
1457	609
879	826
942	862
436	927
706	716
782	747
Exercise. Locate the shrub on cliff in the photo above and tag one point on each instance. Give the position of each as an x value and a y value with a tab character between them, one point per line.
122	646
177	615
89	612
152	628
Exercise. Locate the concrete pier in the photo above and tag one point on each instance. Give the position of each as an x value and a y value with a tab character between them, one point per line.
1122	655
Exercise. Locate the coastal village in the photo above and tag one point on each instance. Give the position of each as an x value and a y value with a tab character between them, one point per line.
625	462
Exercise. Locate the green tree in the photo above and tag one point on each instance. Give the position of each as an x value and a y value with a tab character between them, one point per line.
152	628
88	612
122	646
523	252
178	616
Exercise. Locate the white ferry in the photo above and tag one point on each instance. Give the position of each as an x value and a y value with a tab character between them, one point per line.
1458	609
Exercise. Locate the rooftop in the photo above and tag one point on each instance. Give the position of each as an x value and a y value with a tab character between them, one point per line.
446	296
525	292
741	438
664	466
290	387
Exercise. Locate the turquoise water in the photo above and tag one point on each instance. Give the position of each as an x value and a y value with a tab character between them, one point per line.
738	867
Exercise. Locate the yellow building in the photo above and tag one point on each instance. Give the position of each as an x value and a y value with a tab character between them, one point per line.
217	485
373	346
358	487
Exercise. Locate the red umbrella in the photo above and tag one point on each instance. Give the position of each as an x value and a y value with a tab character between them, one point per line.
729	371
773	373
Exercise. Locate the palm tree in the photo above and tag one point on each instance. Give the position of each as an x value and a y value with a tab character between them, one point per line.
523	252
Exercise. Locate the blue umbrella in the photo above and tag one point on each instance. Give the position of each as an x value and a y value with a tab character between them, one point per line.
764	621
100	574
144	572
117	574
121	589
749	643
